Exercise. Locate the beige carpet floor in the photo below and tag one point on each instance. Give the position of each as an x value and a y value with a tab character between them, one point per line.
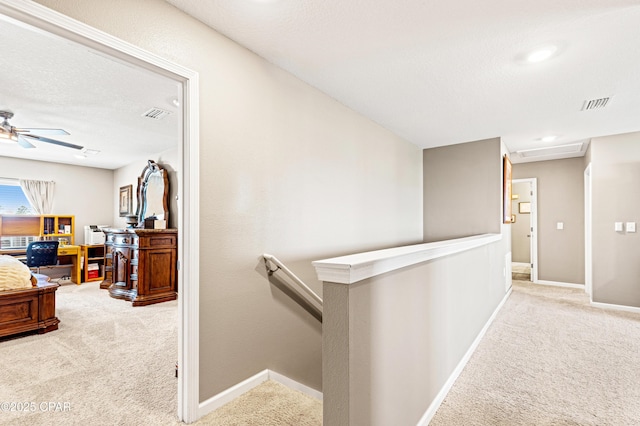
550	358
108	364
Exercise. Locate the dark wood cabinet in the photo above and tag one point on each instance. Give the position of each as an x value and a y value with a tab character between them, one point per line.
141	265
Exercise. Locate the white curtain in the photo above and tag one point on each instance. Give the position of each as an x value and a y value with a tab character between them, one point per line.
39	193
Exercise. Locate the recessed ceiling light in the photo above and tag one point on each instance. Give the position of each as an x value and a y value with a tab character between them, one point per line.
549	138
541	54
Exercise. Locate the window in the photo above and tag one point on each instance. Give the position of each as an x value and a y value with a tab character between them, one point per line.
12	199
16	243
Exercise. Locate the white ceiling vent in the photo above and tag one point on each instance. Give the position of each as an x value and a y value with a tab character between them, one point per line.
590	104
156	113
573	148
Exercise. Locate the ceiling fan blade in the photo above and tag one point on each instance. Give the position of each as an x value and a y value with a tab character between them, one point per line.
53	141
23	142
42	131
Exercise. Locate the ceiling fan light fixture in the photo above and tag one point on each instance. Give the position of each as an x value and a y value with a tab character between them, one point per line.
8	137
24	137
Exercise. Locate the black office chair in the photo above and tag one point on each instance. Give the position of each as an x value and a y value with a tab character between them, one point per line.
42	253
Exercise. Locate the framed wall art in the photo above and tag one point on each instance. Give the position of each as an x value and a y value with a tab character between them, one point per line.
125	200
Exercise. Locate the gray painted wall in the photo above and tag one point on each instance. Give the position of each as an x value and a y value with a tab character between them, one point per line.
462	190
560	199
285	169
615	171
84	192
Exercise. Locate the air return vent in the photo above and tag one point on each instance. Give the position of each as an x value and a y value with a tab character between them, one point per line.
156	113
595	103
552	150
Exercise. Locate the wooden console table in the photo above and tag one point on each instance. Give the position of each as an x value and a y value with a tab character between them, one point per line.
141	265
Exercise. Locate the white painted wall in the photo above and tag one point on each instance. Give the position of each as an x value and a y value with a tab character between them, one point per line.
83	192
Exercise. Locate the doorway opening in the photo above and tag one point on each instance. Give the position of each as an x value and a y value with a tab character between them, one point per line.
524	245
52	23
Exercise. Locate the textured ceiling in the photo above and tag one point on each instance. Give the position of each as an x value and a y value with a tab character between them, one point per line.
53	83
442	72
434	72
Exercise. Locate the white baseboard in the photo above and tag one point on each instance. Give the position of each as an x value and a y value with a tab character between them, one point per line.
231	393
235	391
292	384
616	307
435	404
560	284
520	264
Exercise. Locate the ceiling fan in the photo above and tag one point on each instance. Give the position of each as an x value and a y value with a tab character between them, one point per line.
24	136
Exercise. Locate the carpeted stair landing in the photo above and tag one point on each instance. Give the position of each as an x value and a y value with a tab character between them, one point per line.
268	404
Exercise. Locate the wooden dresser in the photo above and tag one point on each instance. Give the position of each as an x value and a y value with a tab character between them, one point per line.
141	265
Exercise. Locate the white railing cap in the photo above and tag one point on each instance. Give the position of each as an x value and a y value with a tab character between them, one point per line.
357	267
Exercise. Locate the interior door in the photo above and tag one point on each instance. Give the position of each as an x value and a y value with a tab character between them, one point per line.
521	230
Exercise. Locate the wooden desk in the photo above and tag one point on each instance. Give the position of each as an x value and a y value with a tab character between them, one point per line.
67	255
72	254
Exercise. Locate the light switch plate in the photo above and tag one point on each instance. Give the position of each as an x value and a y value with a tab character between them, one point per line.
631	227
619	227
560	225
